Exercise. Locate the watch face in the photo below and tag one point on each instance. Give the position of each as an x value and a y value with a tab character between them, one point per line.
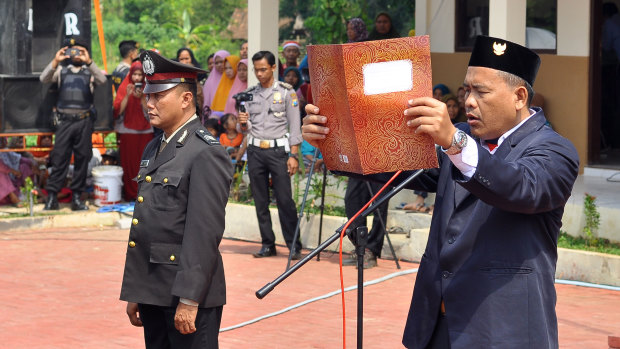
461	139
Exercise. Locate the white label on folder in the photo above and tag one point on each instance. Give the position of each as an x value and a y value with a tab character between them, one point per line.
343	158
386	77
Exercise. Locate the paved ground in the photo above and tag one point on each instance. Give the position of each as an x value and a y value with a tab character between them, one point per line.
59	289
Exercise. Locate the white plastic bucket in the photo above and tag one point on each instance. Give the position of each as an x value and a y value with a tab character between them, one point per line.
108	184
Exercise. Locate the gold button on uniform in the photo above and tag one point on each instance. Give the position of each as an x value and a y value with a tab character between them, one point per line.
172	258
132	244
166	180
139	176
140	199
134	221
147	179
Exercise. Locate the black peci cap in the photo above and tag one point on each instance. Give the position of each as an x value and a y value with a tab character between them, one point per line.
506	56
163	74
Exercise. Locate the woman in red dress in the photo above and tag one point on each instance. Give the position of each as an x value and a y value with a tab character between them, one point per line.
132	127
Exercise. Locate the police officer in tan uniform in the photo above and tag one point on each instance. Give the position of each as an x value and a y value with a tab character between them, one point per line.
174	277
272	123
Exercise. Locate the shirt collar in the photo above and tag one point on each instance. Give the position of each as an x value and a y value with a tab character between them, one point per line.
508	133
163	138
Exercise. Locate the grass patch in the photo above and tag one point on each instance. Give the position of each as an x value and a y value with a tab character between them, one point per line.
36	214
579	243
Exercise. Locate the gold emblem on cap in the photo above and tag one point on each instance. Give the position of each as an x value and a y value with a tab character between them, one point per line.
72	42
182	79
499	49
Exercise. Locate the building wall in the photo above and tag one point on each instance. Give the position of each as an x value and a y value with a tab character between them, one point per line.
562	81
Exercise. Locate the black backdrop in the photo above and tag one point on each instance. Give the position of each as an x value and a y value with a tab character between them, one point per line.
31	32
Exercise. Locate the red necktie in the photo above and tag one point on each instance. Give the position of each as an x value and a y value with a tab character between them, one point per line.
492	143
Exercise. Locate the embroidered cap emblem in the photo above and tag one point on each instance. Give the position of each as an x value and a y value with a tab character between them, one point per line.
148	65
499	49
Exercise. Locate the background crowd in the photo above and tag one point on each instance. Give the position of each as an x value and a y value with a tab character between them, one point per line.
227	76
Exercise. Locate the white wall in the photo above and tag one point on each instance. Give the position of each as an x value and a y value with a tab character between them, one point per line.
573	28
262	31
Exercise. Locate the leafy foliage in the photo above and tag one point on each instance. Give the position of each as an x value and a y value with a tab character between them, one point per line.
167	26
593	219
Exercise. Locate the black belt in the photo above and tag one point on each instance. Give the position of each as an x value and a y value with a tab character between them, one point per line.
73	117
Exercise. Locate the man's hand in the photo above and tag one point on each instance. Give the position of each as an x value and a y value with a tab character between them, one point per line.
84	56
132	312
185	318
431	117
313	128
60	56
16	173
242	119
292	165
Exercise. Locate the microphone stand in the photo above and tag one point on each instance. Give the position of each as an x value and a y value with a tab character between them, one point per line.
358	239
303	206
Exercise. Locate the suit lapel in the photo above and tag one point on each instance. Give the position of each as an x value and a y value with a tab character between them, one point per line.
170	150
535	122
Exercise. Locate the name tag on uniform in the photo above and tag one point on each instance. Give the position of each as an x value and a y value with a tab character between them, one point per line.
144	163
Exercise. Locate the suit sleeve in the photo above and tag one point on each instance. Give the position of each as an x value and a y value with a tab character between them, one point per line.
209	184
539	180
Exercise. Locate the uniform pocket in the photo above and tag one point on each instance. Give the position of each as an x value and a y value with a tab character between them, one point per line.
164	190
162	253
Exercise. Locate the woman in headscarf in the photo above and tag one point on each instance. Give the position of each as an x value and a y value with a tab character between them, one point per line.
384	29
292	76
240	84
213	81
133	128
223	89
356	30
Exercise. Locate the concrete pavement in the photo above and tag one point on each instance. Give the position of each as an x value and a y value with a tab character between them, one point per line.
60	289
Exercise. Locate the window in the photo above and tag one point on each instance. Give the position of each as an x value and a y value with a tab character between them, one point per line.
541	25
472	19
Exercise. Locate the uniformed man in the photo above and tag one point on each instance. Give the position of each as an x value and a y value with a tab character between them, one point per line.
129	52
273	126
174	277
76	74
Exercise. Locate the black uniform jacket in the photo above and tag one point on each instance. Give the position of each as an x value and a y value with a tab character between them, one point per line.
492	248
178	222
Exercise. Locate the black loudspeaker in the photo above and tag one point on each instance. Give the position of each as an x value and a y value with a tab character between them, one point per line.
26	105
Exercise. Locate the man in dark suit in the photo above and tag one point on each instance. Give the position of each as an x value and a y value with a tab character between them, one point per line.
486	279
174	277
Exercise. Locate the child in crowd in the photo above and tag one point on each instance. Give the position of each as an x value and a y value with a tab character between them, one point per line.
230	138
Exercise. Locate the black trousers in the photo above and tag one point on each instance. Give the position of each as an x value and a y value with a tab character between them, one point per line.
71	137
356	196
262	163
160	333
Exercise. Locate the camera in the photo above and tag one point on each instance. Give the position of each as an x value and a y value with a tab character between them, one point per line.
72	52
138	86
241	98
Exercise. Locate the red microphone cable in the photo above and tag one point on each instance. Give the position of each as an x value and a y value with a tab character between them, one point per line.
342	233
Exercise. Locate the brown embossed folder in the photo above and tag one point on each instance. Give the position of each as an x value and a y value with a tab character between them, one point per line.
363	89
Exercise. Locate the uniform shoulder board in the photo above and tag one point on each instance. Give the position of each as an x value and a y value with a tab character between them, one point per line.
285	85
207	137
251	88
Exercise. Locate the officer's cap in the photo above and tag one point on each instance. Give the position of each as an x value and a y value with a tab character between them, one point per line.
75	41
163	74
506	56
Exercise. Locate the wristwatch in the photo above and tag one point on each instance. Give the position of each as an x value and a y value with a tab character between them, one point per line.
459	141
